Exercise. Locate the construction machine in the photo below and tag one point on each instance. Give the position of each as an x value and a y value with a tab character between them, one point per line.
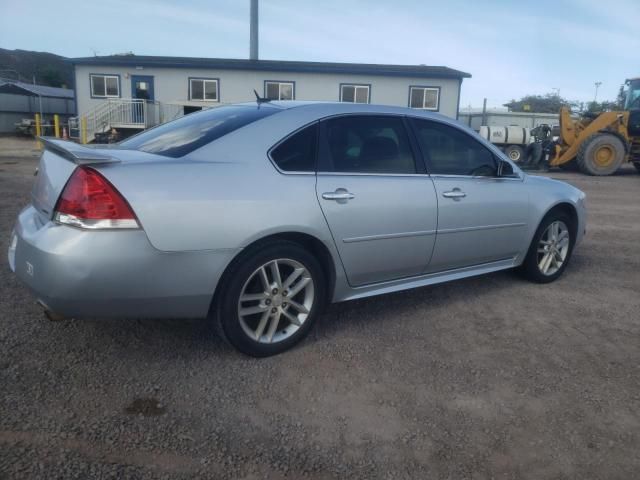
597	143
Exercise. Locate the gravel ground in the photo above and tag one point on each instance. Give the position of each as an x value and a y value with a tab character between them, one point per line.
484	378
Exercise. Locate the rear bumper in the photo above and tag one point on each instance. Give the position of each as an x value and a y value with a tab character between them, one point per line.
78	273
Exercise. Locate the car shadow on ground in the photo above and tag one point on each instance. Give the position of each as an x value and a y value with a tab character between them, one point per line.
391	307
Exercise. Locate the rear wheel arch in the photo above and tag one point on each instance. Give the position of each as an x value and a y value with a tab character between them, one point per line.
311	244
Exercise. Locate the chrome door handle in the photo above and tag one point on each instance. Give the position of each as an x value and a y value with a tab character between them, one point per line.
455	193
339	194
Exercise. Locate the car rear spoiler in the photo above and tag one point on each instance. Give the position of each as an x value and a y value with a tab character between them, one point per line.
78	154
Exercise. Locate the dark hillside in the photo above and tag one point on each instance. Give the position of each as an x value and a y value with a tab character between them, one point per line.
48	68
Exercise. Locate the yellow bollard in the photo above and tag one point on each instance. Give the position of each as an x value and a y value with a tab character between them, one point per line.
83	130
56	125
38	131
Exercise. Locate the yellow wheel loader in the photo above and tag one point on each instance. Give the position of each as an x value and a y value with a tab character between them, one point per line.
599	143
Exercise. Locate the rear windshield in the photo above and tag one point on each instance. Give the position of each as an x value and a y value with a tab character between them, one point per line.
182	136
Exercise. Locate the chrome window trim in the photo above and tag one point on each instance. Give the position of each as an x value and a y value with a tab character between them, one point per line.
517	177
363	174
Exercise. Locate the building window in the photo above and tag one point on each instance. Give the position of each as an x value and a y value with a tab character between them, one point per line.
203	89
276	90
426	98
354	93
105	86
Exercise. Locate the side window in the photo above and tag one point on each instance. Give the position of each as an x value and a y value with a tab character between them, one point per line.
368	144
449	151
298	152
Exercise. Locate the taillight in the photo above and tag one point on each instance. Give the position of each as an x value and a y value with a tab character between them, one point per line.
88	200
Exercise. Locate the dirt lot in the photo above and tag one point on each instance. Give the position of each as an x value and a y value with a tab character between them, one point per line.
485	378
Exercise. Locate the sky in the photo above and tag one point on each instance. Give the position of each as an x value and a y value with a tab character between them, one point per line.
511	48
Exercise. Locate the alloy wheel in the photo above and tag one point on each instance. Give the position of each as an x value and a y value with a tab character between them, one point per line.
276	300
553	248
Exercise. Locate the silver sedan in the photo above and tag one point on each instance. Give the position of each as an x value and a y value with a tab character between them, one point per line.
257	215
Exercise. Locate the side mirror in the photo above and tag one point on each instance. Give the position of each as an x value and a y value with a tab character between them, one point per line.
504	169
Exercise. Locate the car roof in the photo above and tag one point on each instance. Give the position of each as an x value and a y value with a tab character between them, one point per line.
323	108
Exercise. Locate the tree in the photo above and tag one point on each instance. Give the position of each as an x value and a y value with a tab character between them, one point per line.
620	99
549	103
50	76
552	102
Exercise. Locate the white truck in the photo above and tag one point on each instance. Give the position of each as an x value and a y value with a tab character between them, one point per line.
512	140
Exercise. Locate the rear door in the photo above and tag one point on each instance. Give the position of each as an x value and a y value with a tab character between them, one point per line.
482	217
376	197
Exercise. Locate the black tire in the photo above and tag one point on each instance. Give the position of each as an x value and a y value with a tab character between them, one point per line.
587	157
570	166
530	267
637	165
515	153
228	322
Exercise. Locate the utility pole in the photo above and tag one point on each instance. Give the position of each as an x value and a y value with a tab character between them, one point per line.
253	33
484	112
595	98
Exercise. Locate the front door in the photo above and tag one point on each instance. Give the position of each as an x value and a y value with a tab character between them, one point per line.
141	89
482	218
379	203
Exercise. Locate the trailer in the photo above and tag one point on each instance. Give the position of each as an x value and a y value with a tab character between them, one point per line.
512	141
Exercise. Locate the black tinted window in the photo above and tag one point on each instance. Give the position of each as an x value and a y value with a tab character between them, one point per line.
298	152
182	136
449	151
368	144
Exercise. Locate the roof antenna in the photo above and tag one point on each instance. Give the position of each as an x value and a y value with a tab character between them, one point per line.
260	99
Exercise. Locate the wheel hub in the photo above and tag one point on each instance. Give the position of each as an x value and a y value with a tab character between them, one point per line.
276	300
604	156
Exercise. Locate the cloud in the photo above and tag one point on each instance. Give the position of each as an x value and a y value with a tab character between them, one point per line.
510	49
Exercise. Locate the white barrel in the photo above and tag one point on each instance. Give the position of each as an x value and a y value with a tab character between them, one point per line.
506	135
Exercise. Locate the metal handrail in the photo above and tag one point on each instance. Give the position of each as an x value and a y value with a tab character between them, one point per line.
122	113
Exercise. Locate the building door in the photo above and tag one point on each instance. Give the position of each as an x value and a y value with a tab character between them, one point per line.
141	89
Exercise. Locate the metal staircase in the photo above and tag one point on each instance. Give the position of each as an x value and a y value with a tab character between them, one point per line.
130	113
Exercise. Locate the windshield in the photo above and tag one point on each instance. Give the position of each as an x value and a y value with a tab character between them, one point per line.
183	136
633	95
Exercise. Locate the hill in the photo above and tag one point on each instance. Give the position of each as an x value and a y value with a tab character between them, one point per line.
48	68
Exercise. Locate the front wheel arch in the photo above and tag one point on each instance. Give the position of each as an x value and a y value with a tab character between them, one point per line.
570	211
564	207
564	211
